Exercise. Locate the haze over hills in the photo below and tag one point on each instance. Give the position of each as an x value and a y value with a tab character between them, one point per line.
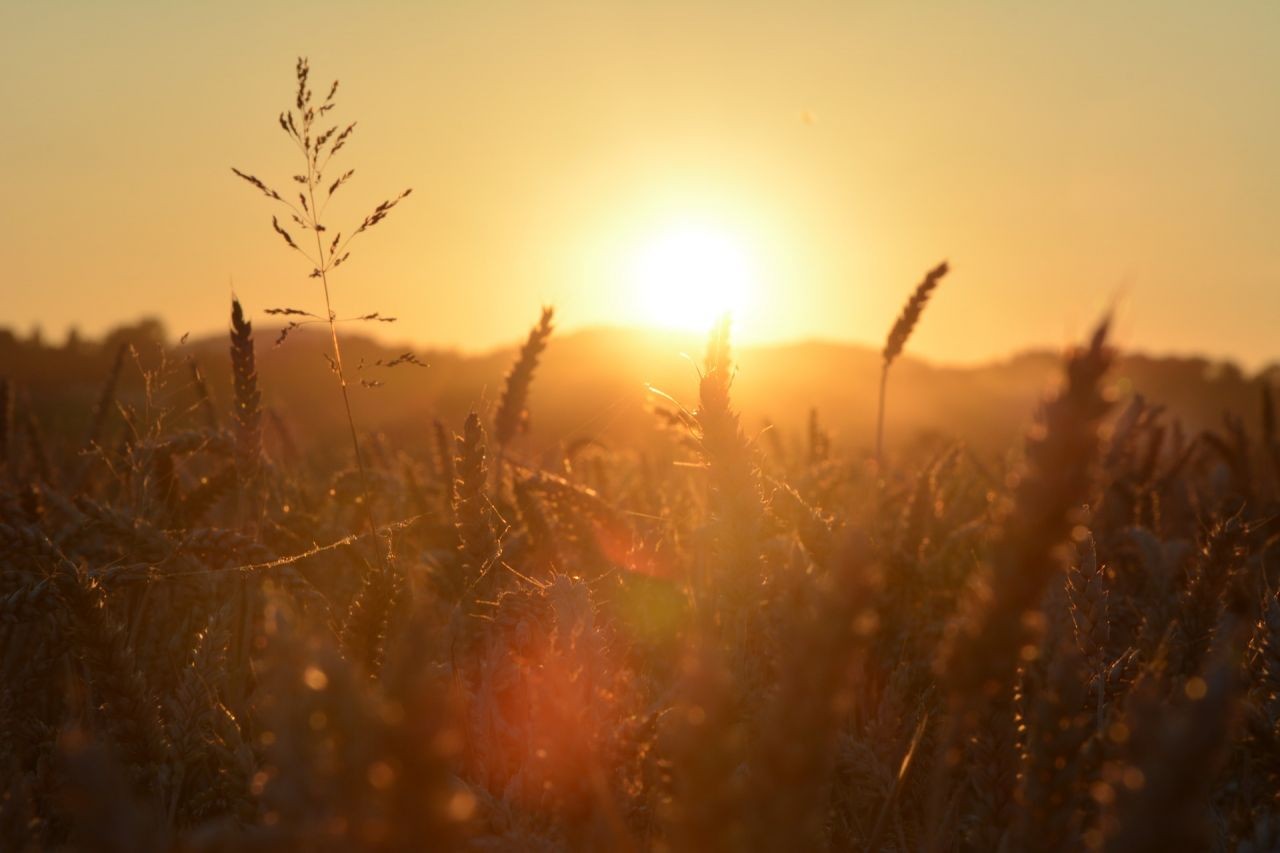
603	383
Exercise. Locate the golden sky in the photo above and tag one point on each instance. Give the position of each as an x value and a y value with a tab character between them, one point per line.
1064	156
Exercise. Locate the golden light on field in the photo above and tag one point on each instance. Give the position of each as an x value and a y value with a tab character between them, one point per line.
689	273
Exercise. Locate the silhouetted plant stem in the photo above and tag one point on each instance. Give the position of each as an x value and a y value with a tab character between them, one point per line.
342	378
898	335
306	215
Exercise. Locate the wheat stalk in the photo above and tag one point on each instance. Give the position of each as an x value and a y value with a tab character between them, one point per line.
512	415
897	339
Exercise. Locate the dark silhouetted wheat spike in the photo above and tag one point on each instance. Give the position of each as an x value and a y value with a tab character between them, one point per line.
897	339
512	415
478	541
248	414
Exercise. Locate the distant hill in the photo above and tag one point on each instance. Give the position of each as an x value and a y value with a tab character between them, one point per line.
596	383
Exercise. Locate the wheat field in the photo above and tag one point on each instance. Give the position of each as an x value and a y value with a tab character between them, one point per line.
216	639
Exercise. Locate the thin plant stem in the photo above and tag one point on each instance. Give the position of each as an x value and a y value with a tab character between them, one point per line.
323	268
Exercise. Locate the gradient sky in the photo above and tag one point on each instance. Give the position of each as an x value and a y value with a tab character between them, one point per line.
1065	157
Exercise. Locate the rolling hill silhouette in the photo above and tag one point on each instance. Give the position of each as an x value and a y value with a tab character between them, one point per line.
602	383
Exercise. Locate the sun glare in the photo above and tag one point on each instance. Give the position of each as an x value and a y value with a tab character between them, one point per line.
689	274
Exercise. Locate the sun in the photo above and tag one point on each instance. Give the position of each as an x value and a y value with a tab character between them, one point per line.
688	274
